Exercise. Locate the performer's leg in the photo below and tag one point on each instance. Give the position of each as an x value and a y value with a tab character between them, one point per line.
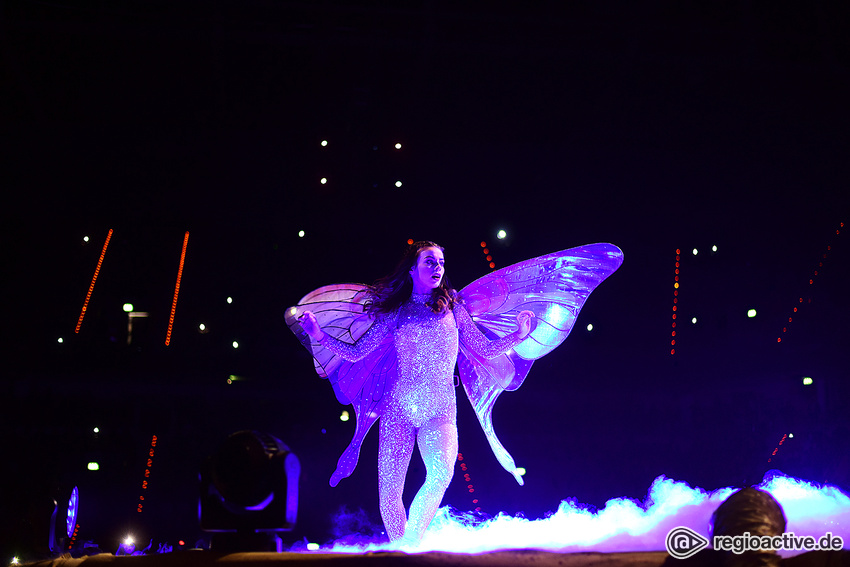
437	443
395	446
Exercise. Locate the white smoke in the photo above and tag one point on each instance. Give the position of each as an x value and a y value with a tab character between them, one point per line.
625	524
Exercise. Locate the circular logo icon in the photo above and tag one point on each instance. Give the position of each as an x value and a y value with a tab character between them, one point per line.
684	542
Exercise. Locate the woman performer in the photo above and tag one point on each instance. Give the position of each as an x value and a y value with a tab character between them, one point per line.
418	307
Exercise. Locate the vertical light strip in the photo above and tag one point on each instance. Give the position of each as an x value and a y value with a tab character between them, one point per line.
94	279
148	467
675	301
176	289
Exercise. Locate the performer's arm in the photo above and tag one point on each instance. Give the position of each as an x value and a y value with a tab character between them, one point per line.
352	352
480	344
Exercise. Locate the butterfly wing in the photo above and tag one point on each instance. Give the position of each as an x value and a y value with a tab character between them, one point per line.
339	310
555	288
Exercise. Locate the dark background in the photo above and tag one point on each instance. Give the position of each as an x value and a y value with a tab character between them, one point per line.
656	126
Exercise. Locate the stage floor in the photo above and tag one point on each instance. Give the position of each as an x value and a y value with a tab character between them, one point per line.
509	558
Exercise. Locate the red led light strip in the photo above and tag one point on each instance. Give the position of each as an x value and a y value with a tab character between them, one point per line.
781	441
468	479
74	536
176	289
795	310
675	301
94	279
487	255
148	467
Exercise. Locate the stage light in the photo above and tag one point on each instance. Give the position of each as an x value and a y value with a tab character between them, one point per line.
344	416
293	310
249	491
520	471
696	252
301	234
128	307
229	300
398	183
751	313
312	547
807	381
96	430
694	320
60	340
323	180
790	435
16	562
324	143
72	512
397	146
501	235
235	344
93	466
714	248
202	327
129	540
590	326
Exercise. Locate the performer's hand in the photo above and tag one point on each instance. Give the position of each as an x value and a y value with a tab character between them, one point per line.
311	326
523	319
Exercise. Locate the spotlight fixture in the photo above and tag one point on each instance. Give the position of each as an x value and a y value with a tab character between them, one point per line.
249	491
68	538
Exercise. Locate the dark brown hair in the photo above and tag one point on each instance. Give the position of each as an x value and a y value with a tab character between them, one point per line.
753	511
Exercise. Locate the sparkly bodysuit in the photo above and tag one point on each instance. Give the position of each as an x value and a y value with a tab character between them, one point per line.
421	406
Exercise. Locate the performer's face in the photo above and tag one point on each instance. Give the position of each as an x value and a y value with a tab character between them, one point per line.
428	271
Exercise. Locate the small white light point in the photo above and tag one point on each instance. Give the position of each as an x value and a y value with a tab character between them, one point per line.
714	248
93	466
85	239
312	547
790	435
590	326
129	540
694	320
751	313
520	471
96	430
229	299
202	327
343	416
235	344
398	183
128	307
807	381
695	252
323	180
324	143
301	234
501	235
60	340
398	145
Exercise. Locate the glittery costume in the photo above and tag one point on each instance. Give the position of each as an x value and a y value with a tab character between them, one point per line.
399	366
420	403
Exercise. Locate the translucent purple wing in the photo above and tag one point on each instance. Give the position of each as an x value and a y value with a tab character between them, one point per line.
339	310
555	288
